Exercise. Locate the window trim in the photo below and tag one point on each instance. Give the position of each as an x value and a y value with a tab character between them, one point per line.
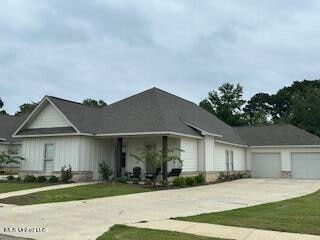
227	160
48	159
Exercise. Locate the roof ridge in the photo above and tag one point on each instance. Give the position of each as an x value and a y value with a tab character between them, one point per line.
74	102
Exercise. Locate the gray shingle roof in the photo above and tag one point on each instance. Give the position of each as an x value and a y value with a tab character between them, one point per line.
155	110
8	124
150	111
276	135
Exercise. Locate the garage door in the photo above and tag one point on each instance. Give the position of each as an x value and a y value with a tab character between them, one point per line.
266	165
305	165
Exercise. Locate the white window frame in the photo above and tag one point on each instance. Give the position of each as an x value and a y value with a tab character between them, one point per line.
231	160
45	159
227	160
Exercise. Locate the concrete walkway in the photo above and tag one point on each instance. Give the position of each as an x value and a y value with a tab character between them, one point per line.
88	219
41	189
219	231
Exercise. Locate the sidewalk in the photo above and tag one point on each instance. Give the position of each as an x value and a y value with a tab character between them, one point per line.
41	189
219	231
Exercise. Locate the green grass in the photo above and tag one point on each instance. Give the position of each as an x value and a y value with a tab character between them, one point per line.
298	215
76	193
10	187
121	232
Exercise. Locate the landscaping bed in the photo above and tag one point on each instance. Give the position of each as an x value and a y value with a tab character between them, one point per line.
121	232
297	215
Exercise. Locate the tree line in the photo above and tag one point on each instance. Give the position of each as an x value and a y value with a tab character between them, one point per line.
298	104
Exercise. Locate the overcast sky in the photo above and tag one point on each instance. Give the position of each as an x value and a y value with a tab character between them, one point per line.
112	49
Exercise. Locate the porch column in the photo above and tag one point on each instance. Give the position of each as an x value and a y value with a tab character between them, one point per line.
165	153
118	157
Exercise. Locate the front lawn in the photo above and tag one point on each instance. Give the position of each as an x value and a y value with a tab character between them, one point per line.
10	187
298	215
76	193
121	232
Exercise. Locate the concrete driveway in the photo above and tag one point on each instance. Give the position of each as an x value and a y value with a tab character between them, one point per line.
84	220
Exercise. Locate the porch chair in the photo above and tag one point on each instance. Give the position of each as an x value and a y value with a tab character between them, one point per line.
154	175
175	172
136	172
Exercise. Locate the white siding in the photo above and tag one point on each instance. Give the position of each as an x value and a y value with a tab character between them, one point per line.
209	146
189	155
239	157
82	153
49	117
92	151
66	151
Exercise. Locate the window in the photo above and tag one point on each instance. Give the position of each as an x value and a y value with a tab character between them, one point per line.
227	160
231	161
48	158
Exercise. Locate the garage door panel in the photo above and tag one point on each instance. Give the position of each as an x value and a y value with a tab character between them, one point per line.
266	165
305	165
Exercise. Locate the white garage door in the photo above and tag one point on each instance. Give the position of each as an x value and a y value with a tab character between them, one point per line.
305	165
266	165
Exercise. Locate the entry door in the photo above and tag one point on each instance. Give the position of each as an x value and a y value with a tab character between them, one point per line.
266	165
305	165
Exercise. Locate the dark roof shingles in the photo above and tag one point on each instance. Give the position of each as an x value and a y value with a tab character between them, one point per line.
276	135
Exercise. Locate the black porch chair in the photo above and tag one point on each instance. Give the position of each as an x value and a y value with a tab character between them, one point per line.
136	172
154	175
175	172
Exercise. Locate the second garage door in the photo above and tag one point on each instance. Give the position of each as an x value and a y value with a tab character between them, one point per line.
266	165
305	165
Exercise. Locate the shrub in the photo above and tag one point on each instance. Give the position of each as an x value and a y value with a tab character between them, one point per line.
10	178
53	179
29	178
41	179
18	179
199	179
105	170
66	174
179	182
122	180
190	181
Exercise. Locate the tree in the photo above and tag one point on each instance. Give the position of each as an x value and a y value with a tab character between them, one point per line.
2	111
7	157
226	103
156	159
26	108
94	103
258	109
298	104
304	110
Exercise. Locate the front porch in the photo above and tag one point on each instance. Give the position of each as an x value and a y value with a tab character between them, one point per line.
126	148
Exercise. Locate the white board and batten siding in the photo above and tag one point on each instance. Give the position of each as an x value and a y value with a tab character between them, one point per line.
66	152
80	152
49	117
189	154
239	157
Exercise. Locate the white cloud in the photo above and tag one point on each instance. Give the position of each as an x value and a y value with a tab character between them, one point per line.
110	49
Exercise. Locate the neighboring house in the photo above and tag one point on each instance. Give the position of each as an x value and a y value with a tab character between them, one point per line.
61	133
8	124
